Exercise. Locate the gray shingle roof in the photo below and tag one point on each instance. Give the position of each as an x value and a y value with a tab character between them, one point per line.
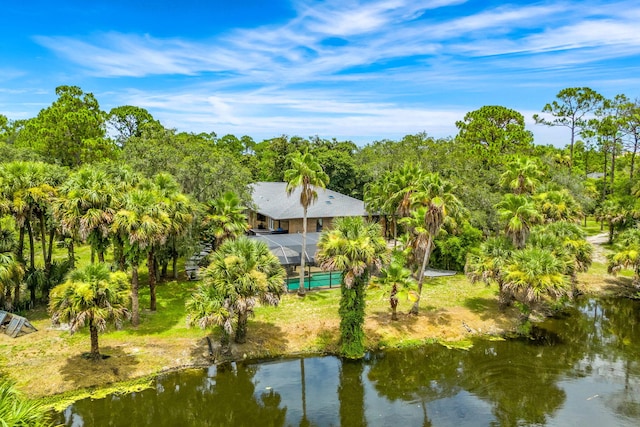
270	199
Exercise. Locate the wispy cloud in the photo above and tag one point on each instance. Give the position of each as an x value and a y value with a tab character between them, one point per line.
363	67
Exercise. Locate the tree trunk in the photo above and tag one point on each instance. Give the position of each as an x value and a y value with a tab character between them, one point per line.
571	148
135	304
152	279
604	178
32	249
20	251
100	256
118	253
43	238
425	263
636	142
174	267
225	344
504	298
52	235
301	290
613	162
352	307
95	350
165	267
611	229
393	300
71	253
241	330
8	303
174	259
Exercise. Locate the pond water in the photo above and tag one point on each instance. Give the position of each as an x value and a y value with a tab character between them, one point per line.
582	369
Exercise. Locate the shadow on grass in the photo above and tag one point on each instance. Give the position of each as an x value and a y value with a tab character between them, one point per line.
621	286
315	296
263	340
170	307
405	322
485	307
116	366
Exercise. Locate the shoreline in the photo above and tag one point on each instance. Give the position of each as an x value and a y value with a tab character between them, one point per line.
48	365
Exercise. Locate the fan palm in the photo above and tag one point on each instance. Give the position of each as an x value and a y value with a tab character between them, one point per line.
558	205
87	207
307	174
519	214
627	255
225	218
534	274
141	223
354	247
433	204
394	279
489	266
242	273
93	296
11	271
522	175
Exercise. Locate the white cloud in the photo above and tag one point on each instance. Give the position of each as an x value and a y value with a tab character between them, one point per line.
362	68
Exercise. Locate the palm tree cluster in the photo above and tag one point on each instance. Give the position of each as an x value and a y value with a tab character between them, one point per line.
423	203
542	250
122	216
627	255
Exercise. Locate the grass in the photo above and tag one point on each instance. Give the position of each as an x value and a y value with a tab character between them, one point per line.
49	364
593	227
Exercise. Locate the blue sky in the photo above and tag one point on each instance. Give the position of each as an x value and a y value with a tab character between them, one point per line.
358	70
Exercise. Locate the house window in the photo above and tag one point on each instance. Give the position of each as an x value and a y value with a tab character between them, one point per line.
319	224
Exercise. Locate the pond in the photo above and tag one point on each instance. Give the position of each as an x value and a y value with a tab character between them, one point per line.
582	368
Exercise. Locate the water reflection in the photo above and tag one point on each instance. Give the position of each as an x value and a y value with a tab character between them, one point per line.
581	368
218	397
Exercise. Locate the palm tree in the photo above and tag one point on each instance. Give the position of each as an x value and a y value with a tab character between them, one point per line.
307	174
11	271
433	203
567	242
28	189
534	274
225	218
627	255
376	202
519	214
141	223
394	279
87	207
488	265
522	175
614	213
242	273
558	205
354	247
93	296
180	212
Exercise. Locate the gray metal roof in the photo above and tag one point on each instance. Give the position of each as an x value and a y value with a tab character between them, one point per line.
287	247
270	199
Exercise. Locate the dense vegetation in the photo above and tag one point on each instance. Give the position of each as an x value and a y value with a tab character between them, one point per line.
490	201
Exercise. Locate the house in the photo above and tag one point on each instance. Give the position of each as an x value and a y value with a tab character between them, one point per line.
275	212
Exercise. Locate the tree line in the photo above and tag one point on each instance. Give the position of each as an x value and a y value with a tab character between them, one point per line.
488	200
